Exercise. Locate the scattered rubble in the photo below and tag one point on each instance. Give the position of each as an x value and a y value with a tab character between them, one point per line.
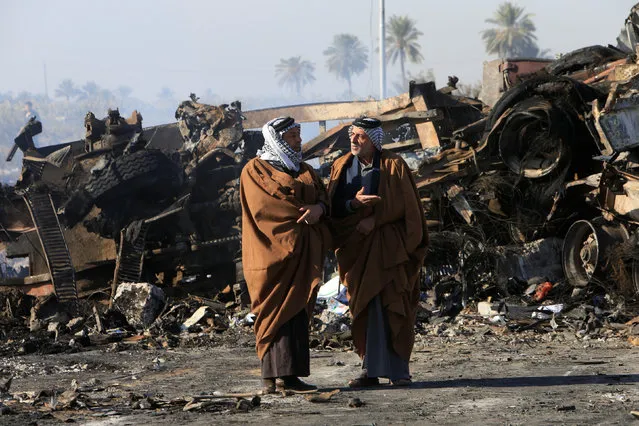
140	303
531	195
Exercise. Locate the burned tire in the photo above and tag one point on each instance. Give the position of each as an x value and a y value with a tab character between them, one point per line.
537	127
586	57
147	170
533	141
548	87
145	174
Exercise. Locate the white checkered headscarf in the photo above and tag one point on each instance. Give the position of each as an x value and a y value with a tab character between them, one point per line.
275	149
373	129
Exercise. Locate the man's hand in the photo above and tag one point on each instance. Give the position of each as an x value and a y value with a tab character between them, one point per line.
366	225
311	214
364	200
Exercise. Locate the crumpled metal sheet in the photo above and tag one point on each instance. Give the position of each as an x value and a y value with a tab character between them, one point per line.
629	35
620	123
207	127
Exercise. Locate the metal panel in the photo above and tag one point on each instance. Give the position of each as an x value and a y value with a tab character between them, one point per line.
621	124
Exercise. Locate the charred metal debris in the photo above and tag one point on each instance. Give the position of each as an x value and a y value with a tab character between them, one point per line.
535	182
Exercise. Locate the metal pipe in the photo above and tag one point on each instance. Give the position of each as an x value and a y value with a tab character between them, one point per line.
382	51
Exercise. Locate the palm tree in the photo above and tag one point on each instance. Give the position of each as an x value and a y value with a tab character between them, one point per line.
107	96
167	98
166	94
123	92
66	89
514	34
90	90
346	57
295	72
401	42
533	51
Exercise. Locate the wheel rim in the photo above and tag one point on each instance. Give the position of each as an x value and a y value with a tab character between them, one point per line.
584	246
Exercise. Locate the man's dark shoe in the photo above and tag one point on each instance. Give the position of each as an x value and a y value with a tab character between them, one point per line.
268	386
293	383
401	382
363	382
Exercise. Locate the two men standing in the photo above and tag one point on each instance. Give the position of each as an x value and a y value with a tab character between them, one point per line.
378	232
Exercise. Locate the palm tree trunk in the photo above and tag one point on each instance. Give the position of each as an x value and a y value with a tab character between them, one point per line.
401	65
298	88
350	89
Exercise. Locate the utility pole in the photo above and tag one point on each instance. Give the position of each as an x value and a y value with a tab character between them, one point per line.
382	51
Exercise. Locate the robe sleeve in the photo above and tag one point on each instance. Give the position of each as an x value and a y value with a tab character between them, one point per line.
322	193
273	218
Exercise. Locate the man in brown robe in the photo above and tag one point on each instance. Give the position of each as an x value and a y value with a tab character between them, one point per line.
284	240
380	236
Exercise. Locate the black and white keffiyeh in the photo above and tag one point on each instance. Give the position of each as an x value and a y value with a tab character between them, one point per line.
275	149
372	127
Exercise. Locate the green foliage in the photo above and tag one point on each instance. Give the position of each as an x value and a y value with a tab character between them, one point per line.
295	73
67	90
401	42
346	57
166	94
124	92
513	34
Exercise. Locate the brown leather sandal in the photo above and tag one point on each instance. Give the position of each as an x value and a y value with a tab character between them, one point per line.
268	386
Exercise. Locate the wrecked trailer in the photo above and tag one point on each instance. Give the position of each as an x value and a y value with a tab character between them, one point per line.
557	156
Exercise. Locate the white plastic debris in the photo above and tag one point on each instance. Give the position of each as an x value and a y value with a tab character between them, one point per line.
249	319
547	311
195	318
329	289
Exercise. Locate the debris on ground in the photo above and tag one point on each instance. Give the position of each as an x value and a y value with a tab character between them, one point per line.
321	397
531	195
140	303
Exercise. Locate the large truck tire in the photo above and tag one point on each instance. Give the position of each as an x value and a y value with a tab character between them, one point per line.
147	172
583	58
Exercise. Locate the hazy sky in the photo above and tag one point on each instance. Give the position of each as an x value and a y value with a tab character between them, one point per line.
232	46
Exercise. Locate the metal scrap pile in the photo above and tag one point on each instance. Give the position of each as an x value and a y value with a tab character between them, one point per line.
549	154
548	159
127	203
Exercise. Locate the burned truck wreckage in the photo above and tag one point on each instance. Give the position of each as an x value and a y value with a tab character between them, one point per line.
550	150
125	202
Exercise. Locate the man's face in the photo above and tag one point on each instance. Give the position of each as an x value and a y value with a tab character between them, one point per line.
293	138
361	145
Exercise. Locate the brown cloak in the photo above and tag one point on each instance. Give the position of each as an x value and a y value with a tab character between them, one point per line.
282	259
388	260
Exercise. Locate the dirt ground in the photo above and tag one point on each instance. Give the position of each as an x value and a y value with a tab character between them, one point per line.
479	377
